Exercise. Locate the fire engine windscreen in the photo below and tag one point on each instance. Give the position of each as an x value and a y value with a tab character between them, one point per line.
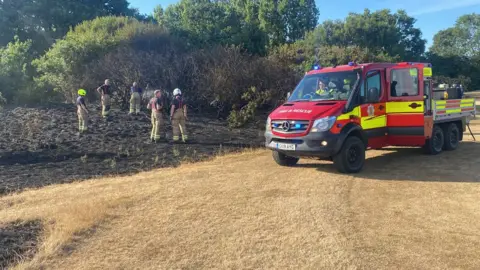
325	86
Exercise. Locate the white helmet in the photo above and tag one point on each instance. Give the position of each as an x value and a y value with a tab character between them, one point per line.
177	92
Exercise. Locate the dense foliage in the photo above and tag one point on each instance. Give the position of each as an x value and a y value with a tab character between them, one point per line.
232	57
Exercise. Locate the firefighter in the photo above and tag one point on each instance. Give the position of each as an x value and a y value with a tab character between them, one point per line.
178	116
105	91
156	105
135	98
322	89
82	111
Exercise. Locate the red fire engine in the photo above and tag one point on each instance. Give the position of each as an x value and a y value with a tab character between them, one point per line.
339	112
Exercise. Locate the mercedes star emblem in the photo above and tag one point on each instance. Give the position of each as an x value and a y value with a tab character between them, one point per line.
285	126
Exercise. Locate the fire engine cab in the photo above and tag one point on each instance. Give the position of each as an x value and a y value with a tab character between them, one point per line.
337	113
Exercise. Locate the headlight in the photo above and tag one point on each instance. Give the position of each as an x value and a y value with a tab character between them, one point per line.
323	124
269	124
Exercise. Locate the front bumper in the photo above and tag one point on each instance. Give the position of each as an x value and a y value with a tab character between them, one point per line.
309	145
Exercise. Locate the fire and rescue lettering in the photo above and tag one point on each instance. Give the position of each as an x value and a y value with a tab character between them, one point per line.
295	111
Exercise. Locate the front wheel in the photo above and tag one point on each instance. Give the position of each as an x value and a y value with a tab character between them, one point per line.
351	157
283	159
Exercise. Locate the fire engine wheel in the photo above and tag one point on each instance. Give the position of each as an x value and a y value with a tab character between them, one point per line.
434	145
283	159
452	137
351	157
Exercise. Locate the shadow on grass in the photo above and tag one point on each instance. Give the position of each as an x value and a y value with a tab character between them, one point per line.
411	164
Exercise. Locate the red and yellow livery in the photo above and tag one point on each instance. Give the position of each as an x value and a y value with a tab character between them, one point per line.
339	112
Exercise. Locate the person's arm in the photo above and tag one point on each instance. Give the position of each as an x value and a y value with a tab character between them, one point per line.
185	111
99	90
160	105
84	105
172	110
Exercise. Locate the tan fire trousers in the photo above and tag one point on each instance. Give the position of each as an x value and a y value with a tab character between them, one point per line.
106	103
82	119
178	125
135	103
157	125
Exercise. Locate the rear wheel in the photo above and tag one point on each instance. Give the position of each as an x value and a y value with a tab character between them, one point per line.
283	159
452	137
434	145
351	157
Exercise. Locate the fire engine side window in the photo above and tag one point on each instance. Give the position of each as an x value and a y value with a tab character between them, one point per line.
373	80
404	82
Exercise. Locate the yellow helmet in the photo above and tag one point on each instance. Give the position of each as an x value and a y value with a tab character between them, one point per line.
82	92
346	81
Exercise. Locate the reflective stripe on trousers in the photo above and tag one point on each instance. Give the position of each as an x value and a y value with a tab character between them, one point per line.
157	125
105	105
82	120
135	102
178	125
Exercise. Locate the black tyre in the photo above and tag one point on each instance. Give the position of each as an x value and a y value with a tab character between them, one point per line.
351	157
452	137
283	159
434	145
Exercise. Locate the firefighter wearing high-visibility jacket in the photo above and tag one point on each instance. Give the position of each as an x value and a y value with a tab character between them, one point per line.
156	105
178	116
322	89
82	111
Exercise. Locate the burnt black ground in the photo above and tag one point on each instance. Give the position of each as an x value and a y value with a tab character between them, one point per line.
40	146
18	241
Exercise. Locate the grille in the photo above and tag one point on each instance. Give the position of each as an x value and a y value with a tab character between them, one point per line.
293	126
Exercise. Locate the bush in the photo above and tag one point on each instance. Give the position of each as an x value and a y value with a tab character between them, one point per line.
65	66
14	69
215	80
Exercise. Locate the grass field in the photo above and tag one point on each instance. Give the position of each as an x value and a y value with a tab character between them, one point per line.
404	211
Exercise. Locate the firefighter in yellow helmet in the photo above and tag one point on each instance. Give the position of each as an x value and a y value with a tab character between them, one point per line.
105	91
82	111
178	116
156	105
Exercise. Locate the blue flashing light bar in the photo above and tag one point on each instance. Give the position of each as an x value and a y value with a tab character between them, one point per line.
352	64
316	67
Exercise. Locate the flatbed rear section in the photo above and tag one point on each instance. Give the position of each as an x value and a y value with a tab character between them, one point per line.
453	109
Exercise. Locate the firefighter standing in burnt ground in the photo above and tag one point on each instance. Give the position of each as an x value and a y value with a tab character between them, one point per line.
178	116
82	111
105	91
156	105
135	98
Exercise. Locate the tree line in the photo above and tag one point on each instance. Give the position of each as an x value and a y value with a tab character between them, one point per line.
231	57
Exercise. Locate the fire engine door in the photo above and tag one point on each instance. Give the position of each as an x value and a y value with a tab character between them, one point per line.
373	109
405	106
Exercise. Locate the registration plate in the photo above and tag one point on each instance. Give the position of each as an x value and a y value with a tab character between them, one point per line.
285	146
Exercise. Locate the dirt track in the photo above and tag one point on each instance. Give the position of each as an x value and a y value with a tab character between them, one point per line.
404	211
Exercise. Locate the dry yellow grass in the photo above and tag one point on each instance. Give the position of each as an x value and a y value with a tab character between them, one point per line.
405	210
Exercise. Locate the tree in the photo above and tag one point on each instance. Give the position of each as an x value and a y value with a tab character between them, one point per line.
287	20
255	25
463	39
44	21
456	51
379	31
